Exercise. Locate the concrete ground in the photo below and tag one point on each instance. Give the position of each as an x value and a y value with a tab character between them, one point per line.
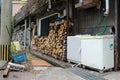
52	73
40	73
112	75
57	74
18	76
107	75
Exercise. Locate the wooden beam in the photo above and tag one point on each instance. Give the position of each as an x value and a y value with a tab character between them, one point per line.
116	34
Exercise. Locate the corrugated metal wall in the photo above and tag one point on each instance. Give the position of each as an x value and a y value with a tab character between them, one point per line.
87	20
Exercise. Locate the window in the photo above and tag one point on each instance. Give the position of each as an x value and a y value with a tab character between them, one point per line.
44	24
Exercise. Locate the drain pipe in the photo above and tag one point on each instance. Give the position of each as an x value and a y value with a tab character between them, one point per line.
106	8
81	1
25	33
49	2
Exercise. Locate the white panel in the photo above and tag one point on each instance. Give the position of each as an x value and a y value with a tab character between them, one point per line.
108	50
73	48
91	52
39	28
97	52
37	23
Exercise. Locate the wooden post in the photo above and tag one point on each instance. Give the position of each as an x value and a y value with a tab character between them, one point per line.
64	57
117	34
72	16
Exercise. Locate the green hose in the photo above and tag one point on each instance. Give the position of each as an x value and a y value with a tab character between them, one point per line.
105	27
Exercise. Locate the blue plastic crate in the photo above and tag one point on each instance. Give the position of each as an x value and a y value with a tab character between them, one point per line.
20	58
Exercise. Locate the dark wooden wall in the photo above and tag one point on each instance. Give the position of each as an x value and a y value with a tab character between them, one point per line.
87	20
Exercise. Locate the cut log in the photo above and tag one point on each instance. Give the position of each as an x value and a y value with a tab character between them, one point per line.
53	44
6	71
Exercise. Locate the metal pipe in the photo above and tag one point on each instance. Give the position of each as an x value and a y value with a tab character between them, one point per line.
25	33
49	16
106	8
29	33
49	5
80	1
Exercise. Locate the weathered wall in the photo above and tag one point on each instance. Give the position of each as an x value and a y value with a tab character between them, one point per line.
16	6
87	20
6	13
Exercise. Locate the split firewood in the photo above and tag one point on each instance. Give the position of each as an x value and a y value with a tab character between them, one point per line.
53	44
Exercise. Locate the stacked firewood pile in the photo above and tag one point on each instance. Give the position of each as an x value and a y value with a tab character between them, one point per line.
53	45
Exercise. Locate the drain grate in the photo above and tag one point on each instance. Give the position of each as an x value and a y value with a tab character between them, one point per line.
85	74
